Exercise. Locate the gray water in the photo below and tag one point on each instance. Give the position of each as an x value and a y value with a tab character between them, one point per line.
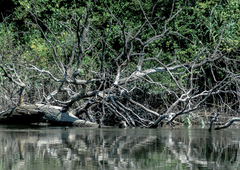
54	148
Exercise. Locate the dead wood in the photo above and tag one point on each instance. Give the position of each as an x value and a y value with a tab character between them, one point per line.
214	119
120	88
21	115
55	116
227	124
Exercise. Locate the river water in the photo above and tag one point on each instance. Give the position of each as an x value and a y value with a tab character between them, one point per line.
54	148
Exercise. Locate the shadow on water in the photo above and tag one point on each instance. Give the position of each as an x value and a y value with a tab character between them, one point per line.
50	148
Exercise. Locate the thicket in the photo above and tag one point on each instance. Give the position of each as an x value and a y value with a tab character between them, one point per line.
198	26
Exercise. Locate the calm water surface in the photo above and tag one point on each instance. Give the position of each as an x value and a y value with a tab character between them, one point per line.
54	148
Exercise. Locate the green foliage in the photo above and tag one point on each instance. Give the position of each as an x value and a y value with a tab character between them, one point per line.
199	21
38	53
186	120
202	124
7	39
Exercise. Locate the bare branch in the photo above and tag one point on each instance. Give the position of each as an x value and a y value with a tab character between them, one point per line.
132	101
229	123
214	119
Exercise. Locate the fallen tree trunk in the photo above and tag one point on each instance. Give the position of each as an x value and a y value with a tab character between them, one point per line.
55	116
21	115
28	114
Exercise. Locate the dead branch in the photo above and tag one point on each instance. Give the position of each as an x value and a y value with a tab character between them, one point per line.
227	124
214	119
118	84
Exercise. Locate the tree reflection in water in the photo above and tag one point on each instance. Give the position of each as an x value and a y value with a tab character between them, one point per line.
56	148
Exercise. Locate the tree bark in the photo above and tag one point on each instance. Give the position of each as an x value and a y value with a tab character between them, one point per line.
28	114
55	116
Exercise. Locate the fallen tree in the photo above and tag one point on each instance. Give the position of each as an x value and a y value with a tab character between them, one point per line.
111	91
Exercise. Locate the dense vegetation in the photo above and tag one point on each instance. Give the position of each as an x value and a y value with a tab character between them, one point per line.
41	42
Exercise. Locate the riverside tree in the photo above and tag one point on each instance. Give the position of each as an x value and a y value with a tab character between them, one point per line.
122	73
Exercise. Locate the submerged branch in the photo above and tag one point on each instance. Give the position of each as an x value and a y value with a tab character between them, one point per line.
229	123
214	119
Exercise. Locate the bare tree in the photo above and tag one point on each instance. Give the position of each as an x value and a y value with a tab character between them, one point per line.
104	93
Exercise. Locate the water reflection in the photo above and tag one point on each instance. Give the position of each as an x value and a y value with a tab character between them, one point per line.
53	148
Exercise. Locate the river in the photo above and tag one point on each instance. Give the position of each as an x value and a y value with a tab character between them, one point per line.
55	148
